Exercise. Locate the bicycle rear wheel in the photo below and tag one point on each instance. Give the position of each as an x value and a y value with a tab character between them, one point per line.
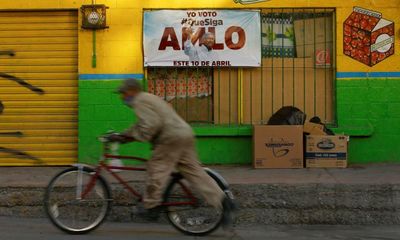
65	207
197	220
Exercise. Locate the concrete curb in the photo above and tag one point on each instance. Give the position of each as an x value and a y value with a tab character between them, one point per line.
327	203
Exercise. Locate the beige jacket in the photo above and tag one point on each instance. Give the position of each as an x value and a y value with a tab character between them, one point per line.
157	121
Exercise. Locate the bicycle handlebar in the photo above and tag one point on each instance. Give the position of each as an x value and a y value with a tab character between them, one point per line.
106	137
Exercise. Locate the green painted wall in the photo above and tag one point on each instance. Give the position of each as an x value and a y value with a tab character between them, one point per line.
101	110
374	102
367	109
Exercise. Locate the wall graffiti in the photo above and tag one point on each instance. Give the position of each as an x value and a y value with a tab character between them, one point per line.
367	37
22	83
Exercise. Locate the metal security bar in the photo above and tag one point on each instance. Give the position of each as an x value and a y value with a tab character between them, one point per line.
298	69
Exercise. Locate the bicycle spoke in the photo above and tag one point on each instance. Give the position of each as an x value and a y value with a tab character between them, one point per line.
197	219
68	210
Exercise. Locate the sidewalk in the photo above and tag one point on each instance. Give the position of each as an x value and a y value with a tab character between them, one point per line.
356	174
365	194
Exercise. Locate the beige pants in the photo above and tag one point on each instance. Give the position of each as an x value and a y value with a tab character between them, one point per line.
181	155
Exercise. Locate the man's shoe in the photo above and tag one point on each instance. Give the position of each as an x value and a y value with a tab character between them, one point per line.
151	214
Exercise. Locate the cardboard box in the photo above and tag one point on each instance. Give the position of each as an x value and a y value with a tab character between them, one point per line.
278	146
314	38
314	128
326	151
277	35
367	37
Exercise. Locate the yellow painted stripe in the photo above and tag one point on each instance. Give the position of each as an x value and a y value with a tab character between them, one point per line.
38	19
38	40
43	83
43	154
26	14
38	125
46	75
48	90
37	118
45	162
40	33
43	47
47	132
240	94
39	62
42	146
37	26
38	69
36	104
47	139
34	97
47	54
35	111
24	164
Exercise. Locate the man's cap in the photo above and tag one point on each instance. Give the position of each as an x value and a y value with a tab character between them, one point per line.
127	84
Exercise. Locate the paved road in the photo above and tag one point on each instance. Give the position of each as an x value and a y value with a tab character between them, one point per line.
41	229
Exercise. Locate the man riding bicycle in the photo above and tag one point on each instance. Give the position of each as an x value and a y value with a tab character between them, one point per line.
173	145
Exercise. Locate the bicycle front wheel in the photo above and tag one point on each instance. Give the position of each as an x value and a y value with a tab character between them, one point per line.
70	210
197	220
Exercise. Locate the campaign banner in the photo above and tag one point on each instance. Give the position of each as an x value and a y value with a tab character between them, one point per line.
202	38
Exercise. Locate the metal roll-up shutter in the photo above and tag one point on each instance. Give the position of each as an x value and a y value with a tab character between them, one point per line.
39	48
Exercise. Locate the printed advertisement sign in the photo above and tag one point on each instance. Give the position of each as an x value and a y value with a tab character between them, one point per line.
368	38
202	38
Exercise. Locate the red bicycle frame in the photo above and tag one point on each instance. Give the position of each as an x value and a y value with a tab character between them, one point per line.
103	165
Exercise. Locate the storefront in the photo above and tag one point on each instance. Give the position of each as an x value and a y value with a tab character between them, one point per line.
330	59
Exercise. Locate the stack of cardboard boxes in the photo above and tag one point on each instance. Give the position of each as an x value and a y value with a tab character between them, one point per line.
298	147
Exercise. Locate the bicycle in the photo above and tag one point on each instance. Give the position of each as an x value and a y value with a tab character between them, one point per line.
77	200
